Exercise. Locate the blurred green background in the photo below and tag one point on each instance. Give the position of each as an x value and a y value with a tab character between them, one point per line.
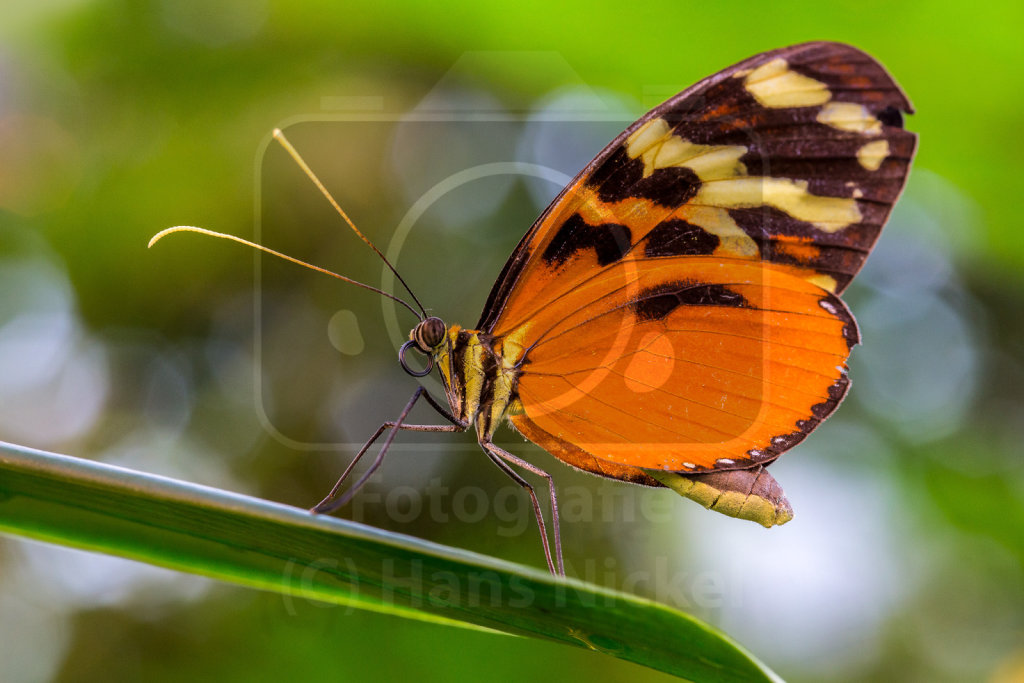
118	118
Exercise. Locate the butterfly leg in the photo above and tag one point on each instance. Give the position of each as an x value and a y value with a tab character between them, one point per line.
332	502
501	458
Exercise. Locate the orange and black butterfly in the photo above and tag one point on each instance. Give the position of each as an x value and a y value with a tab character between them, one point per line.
673	317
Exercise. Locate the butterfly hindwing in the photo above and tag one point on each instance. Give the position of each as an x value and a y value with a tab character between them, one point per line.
721	369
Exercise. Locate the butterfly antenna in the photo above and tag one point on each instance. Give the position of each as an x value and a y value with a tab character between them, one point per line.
279	136
188	228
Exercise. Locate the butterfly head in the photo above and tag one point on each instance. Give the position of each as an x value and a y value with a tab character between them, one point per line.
428	334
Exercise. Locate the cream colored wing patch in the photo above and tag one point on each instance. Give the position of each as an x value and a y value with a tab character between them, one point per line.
775	85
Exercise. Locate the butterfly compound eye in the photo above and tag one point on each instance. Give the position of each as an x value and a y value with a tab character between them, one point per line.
425	336
429	334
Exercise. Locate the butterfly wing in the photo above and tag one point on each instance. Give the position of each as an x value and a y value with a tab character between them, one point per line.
685	363
675	308
794	157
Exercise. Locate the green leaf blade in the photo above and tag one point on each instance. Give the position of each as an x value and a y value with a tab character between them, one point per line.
274	547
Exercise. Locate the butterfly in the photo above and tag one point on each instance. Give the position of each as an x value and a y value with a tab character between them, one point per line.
673	318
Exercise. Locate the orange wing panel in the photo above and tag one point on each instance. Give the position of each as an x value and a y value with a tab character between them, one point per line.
721	370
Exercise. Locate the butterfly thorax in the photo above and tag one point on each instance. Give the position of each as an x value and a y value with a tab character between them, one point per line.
479	377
